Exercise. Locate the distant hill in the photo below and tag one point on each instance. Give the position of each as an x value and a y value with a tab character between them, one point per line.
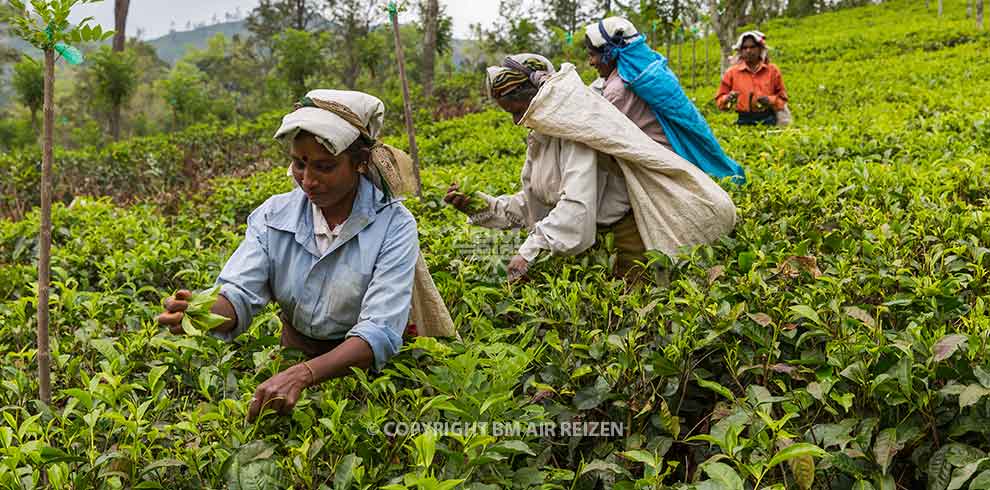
174	45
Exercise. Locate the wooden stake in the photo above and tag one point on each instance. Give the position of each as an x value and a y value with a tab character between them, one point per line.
45	239
694	59
393	12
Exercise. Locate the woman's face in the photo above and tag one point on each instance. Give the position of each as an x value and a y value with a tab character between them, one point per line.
750	50
595	60
327	180
515	107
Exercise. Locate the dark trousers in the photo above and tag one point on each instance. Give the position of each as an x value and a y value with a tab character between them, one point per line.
768	118
309	346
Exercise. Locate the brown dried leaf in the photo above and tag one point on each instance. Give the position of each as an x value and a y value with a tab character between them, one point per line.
761	319
783	368
714	273
541	395
810	265
859	314
793	265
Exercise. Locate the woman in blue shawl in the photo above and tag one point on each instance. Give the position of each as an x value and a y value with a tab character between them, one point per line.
620	54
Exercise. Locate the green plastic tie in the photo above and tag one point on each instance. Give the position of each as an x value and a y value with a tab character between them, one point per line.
71	54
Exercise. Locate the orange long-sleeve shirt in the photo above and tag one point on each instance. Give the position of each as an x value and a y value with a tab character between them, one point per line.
750	85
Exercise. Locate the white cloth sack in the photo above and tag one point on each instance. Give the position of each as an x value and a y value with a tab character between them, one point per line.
784	117
675	203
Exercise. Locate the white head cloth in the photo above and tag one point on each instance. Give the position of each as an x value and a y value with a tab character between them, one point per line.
758	36
330	130
613	26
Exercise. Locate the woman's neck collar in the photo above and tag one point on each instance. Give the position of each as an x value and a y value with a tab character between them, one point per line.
338	214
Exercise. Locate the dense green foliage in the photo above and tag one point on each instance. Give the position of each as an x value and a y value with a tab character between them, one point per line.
837	339
163	168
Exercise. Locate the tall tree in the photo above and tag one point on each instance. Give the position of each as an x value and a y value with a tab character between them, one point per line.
516	31
300	56
352	21
120	8
431	20
272	17
563	21
112	78
29	86
186	93
979	14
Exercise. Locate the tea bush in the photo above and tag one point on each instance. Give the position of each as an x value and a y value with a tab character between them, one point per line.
837	339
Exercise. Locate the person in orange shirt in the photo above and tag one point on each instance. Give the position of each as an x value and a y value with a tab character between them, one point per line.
753	86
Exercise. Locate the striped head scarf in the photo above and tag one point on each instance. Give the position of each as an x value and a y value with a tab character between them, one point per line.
515	71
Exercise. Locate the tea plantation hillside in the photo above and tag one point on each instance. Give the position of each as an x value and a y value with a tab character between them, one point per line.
839	339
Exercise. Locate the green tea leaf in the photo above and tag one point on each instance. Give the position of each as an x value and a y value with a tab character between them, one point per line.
795	451
723	476
807	312
591	396
717	388
344	473
803	468
885	447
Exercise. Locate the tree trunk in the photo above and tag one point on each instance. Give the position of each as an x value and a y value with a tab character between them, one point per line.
120	8
430	26
939	8
115	122
45	238
608	7
725	24
300	15
979	14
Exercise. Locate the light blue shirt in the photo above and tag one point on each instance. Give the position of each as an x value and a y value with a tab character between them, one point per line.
361	287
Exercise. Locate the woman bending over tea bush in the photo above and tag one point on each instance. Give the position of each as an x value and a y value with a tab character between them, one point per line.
572	189
338	253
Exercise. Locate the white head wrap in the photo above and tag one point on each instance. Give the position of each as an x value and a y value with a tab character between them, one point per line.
613	26
330	130
758	36
389	168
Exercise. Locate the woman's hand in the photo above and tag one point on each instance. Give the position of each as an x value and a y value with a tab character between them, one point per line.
175	307
175	310
764	101
281	392
460	201
517	268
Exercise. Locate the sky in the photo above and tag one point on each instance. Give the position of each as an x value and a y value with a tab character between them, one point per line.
155	17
